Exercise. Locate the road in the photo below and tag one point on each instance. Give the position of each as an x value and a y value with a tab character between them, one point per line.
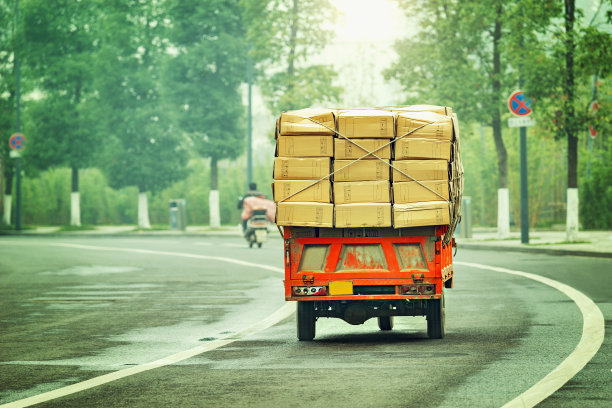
75	309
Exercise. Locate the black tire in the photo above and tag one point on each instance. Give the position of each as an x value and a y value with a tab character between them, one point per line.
385	323
259	245
250	244
436	318
306	321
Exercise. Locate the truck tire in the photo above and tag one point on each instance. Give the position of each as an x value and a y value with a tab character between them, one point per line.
385	323
436	318
305	321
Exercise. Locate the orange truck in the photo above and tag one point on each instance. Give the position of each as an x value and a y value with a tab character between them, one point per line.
359	273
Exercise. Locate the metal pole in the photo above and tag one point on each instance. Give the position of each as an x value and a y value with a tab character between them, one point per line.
524	189
17	124
250	123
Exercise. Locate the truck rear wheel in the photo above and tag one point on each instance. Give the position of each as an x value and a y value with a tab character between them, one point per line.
305	321
436	318
385	322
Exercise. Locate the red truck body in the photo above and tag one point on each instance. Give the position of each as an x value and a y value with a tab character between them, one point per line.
360	273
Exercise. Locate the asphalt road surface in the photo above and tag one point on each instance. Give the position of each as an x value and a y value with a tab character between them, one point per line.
202	322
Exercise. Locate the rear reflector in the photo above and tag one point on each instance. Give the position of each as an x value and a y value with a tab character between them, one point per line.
309	290
420	289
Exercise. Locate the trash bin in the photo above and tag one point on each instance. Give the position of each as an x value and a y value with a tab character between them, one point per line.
178	215
464	229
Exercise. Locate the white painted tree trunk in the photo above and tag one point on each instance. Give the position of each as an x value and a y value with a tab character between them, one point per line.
7	209
143	211
213	205
75	209
571	226
503	213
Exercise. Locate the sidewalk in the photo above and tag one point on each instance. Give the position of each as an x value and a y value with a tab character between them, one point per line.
589	243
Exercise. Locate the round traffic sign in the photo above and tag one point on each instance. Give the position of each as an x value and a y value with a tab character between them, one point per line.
519	104
17	141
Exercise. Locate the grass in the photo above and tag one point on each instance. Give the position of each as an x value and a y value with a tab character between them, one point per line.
70	228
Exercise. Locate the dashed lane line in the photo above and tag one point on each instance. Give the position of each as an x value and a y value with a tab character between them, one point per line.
287	310
593	330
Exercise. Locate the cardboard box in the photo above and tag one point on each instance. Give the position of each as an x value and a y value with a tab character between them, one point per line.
305	146
427	125
301	168
362	215
307	122
442	110
421	214
305	214
417	148
313	191
357	148
362	170
413	191
362	192
366	124
419	170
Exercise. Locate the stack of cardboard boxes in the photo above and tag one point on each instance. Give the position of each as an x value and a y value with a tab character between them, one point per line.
368	168
302	168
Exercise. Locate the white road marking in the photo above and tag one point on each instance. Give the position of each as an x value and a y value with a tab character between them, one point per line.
593	330
178	254
287	310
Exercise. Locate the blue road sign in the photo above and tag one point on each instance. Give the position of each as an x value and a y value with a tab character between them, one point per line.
17	141
519	104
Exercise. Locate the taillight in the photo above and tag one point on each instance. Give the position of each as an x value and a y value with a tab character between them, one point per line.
309	290
420	289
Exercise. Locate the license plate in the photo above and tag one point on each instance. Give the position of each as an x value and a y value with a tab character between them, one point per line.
340	288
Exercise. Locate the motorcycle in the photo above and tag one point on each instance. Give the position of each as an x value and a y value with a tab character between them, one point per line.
256	231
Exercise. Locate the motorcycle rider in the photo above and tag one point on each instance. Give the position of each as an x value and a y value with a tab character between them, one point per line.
254	199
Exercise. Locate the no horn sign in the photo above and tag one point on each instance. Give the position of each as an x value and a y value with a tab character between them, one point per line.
518	104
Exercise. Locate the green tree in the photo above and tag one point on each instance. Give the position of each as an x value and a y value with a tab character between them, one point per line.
283	35
203	81
58	46
143	148
567	59
460	58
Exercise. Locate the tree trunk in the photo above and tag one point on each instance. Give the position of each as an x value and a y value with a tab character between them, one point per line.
75	199
503	195
213	197
570	123
143	211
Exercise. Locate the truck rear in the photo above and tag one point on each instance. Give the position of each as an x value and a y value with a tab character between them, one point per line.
364	273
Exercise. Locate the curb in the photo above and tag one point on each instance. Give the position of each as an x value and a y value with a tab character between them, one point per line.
535	250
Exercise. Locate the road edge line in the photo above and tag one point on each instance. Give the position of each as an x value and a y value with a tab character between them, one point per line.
593	332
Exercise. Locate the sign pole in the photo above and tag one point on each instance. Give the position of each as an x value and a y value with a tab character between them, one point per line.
524	182
524	190
18	194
